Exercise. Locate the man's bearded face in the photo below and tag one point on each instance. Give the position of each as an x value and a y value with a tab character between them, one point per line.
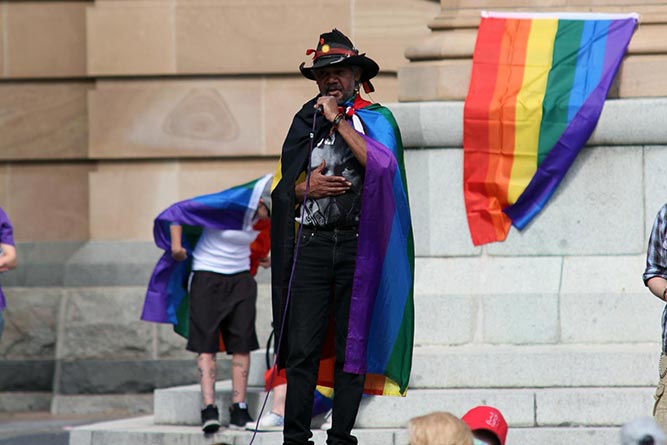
338	82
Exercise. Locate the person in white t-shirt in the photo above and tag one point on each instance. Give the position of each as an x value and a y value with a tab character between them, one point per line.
223	294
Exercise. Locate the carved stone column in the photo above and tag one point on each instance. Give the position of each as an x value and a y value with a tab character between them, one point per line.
440	66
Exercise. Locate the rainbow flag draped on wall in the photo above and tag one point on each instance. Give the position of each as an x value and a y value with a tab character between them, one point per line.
232	209
381	324
538	85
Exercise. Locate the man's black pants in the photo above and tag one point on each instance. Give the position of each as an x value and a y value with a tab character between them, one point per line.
322	283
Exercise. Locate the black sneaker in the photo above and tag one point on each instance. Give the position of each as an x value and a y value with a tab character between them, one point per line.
238	416
210	419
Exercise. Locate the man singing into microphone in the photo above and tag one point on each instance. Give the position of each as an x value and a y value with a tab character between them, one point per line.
342	278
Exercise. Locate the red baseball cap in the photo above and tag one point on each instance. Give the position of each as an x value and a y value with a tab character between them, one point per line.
487	418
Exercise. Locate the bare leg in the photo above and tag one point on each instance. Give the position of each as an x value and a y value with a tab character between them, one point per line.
240	367
279	393
207	375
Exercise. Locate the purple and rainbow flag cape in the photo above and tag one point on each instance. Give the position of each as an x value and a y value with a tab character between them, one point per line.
538	85
6	237
231	209
381	325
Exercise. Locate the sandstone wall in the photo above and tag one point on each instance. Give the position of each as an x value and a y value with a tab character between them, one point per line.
155	101
109	112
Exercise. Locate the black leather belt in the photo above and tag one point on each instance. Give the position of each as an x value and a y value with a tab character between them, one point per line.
313	229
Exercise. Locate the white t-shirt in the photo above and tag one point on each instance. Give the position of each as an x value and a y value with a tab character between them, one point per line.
223	251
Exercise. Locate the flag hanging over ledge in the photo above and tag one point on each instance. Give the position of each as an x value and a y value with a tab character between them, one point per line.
538	85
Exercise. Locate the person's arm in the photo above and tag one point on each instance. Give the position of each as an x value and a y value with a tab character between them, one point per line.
8	259
658	287
655	274
354	140
321	185
178	252
265	262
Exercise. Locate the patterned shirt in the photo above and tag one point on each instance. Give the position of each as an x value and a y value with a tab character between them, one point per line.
341	211
656	260
656	255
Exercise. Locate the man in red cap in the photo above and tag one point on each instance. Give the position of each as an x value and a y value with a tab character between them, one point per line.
487	424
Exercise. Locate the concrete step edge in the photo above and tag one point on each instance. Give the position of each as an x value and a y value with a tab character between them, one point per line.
587	406
143	431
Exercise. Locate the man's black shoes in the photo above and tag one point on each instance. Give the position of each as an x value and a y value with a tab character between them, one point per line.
210	419
238	416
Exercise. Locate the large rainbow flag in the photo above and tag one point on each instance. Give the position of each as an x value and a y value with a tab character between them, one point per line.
381	325
538	85
232	209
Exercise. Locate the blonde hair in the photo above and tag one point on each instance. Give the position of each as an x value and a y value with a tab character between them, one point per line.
439	428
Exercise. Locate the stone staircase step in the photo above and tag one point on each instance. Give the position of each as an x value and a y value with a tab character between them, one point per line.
143	431
484	366
181	405
534	385
525	407
633	364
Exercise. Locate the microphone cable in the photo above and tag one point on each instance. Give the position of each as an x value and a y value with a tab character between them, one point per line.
291	278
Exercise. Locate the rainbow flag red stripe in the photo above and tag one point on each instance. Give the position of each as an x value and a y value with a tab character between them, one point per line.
538	85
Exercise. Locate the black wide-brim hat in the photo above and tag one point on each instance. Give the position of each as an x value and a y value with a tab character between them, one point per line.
335	49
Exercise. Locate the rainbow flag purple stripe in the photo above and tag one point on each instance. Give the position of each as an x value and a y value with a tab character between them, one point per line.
231	209
380	340
594	74
6	237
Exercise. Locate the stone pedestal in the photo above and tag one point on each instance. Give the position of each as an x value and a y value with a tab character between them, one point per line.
440	66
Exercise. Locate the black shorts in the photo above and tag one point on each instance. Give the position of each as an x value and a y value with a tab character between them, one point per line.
222	304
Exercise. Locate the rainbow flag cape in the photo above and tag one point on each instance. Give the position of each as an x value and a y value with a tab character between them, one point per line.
381	324
538	85
232	209
6	237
